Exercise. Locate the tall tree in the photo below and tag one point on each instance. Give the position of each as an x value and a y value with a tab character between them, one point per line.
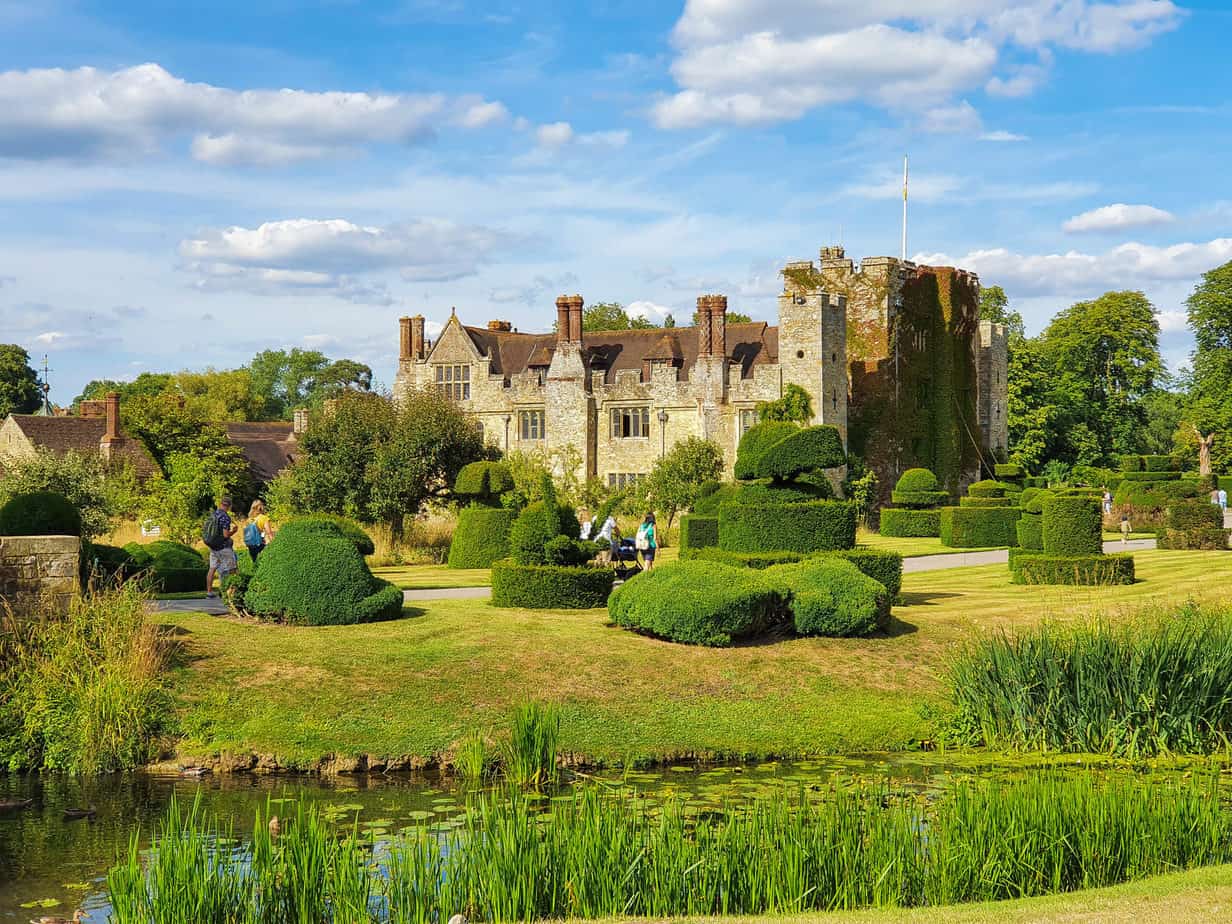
611	316
995	307
1209	407
678	476
19	385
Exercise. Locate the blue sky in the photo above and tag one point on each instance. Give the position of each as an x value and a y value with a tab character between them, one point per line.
185	184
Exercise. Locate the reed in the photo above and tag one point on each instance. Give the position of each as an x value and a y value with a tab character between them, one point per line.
1158	685
603	854
530	755
472	760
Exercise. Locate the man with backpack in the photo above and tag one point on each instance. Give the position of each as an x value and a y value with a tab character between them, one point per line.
216	534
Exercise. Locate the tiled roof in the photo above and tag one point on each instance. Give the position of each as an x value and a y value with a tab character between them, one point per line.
82	435
267	446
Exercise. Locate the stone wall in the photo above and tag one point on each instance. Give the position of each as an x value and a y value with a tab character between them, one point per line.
39	570
993	379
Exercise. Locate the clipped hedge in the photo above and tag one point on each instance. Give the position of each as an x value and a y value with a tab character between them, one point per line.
106	562
762	492
1030	532
1073	526
980	501
1194	515
919	499
331	523
903	522
1085	570
886	568
815	526
484	480
1209	539
1150	477
39	513
697	532
314	577
755	560
979	527
535	526
831	598
1009	471
172	566
1131	463
1159	464
917	479
696	603
756	442
550	587
806	450
481	537
988	488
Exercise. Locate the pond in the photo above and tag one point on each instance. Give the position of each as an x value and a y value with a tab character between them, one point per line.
53	864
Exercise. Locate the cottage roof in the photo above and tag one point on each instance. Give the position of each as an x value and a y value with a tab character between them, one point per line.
748	345
82	435
269	447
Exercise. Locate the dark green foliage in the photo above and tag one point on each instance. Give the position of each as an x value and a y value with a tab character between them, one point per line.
565	550
829	597
333	523
916	488
1207	539
535	526
1194	515
919	500
40	513
1086	570
762	492
808	450
172	566
550	587
1078	492
697	603
886	568
979	527
755	560
107	563
697	532
1195	524
1031	532
1009	471
903	522
1159	464
755	442
484	482
1150	477
973	501
795	405
481	537
1131	463
817	526
1158	494
988	488
318	578
1032	499
917	479
1073	526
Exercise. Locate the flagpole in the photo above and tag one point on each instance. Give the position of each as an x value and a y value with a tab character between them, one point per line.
904	248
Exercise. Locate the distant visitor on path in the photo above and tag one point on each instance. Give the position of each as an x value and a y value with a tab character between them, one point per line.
587	525
647	541
1223	499
1125	529
609	533
257	533
1107	501
217	534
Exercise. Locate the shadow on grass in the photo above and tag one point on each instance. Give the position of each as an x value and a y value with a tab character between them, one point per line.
898	628
923	598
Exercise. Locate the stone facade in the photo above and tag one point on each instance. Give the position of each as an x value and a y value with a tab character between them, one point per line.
39	573
993	376
609	403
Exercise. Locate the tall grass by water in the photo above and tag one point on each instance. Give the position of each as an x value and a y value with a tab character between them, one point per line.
530	756
85	692
1158	685
600	854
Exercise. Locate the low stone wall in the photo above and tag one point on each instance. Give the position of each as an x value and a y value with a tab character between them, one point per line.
39	572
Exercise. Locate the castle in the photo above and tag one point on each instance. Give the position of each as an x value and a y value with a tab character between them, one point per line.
891	353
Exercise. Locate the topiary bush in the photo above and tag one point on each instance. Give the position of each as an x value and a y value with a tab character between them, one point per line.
697	532
816	526
1085	570
979	527
1131	463
1030	531
755	442
1194	515
1208	539
1073	526
988	488
830	597
696	603
550	587
535	526
316	577
172	567
917	479
484	482
1009	471
903	522
107	563
978	501
332	524
481	537
762	492
1159	464
1148	478
39	513
886	568
1195	525
806	450
755	560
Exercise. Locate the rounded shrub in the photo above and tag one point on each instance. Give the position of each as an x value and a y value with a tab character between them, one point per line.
697	532
979	527
755	560
1009	471
816	526
39	513
808	450
988	488
696	603
1083	570
481	537
903	522
315	577
755	442
550	587
333	524
106	562
830	597
917	479
172	566
886	568
536	525
1073	526
1031	532
484	481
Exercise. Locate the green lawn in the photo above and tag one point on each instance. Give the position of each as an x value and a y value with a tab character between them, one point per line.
909	547
417	685
434	577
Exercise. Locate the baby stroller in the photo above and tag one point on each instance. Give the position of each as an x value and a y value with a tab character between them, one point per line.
624	559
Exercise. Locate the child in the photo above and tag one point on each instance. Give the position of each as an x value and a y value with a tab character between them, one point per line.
1124	529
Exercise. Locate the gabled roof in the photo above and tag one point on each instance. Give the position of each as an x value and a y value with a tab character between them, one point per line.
82	435
269	447
748	345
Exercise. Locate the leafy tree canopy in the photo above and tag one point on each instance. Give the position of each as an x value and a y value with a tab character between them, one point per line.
1208	407
611	316
795	406
19	385
677	476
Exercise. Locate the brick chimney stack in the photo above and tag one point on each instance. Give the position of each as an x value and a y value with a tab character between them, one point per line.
575	318
562	319
718	325
419	343
703	325
404	339
111	436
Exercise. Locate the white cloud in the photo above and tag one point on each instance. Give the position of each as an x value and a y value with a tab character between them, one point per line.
760	61
1076	273
648	311
554	134
88	112
333	257
1119	217
611	139
959	119
1003	137
1171	322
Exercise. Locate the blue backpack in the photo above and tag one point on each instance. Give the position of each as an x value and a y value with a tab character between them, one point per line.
252	535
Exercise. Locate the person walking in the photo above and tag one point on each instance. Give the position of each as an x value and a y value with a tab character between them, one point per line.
1107	502
1223	501
587	525
257	533
647	541
217	534
1125	529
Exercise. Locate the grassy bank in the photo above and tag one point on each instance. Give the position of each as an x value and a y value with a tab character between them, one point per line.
417	686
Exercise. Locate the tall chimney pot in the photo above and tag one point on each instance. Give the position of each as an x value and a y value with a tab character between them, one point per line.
575	318
718	325
703	325
419	345
562	318
404	338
